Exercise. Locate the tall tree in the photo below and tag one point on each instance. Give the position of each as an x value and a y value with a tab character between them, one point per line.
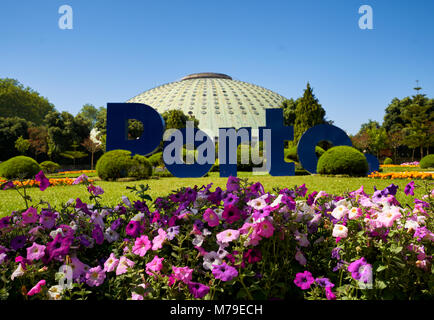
10	130
25	103
89	113
289	113
38	138
309	113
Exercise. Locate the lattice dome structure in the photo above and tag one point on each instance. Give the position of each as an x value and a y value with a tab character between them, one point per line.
215	99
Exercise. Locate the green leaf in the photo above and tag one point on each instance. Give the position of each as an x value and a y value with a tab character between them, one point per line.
380	284
381	268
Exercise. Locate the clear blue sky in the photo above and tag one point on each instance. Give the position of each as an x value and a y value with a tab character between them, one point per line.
118	49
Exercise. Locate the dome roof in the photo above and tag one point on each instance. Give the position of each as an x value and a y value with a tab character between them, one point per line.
215	99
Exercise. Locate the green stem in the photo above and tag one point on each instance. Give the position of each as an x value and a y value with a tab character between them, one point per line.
245	288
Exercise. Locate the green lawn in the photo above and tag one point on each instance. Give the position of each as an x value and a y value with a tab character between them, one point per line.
9	199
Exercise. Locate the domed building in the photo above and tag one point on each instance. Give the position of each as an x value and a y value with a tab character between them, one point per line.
215	99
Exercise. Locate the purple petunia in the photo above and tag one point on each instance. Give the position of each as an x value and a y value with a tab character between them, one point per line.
304	280
47	219
233	184
231	214
172	232
116	224
198	290
230	199
59	247
18	242
224	272
133	228
324	282
409	188
360	269
44	183
97	234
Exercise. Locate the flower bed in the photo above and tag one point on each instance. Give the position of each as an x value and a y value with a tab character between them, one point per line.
35	183
238	243
402	175
77	172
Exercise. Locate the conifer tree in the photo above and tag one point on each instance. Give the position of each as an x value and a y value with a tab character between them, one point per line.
309	113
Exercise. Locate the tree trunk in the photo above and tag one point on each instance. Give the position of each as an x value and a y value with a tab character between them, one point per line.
412	155
421	152
91	161
394	160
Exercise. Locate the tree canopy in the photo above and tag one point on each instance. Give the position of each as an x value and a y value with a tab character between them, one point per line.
25	103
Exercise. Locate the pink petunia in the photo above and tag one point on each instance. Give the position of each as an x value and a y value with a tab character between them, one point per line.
157	242
111	263
35	252
211	217
82	178
265	229
141	245
124	264
154	266
228	235
30	215
95	277
37	288
183	274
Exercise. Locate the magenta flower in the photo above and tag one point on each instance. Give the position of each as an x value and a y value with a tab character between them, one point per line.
141	245
37	288
154	266
30	215
211	217
233	184
35	252
231	214
82	178
358	268
157	242
409	189
304	280
44	183
183	274
265	229
230	199
95	277
329	294
224	272
253	256
59	247
133	228
198	290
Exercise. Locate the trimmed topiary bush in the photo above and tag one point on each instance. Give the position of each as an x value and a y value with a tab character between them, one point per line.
141	168
19	167
49	166
388	161
156	159
291	153
427	161
343	160
117	164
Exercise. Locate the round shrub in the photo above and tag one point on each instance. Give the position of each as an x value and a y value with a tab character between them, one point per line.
427	161
291	153
19	167
49	166
141	168
343	160
156	159
388	161
117	164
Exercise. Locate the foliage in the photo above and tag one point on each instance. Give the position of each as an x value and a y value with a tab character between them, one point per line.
427	161
50	167
291	153
89	113
343	160
10	130
38	138
309	113
119	164
289	113
176	119
22	145
156	159
25	103
388	161
19	167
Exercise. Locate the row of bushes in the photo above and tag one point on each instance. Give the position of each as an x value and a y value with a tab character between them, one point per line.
117	164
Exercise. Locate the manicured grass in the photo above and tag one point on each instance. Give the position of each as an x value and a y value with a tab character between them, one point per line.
404	169
56	196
